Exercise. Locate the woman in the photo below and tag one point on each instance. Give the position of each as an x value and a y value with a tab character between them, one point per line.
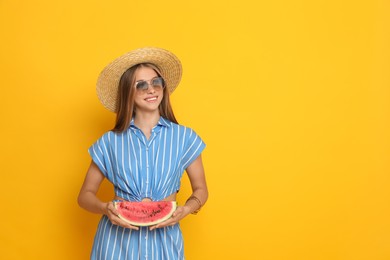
143	156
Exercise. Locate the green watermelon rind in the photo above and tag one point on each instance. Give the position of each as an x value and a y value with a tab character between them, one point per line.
142	224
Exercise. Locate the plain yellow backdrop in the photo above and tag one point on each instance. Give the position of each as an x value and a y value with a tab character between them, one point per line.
291	97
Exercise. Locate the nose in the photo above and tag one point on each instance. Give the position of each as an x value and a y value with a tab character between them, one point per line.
150	89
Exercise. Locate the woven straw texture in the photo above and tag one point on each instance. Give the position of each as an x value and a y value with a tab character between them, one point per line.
108	80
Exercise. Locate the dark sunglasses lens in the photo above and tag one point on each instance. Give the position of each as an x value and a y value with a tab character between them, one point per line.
158	82
142	85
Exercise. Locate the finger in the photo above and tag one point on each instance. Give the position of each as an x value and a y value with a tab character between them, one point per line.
177	212
160	225
171	221
132	227
168	222
124	224
127	225
119	222
111	207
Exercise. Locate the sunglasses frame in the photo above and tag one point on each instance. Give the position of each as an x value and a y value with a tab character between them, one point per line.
150	83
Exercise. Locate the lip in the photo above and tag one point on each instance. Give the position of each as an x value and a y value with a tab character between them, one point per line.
151	99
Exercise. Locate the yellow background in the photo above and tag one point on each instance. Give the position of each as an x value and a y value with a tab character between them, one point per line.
291	97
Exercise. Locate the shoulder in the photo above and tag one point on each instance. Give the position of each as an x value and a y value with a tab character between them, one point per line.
188	134
181	128
178	129
110	135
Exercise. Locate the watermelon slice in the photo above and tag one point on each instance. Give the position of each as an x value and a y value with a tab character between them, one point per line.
145	213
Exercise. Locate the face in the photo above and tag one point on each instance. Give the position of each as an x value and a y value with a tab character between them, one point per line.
149	93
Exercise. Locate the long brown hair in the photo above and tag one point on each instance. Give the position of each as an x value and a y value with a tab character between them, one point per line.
126	92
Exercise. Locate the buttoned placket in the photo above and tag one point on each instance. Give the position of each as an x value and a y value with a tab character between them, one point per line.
146	243
145	193
147	143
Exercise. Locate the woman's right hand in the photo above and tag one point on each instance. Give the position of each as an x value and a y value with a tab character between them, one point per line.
113	216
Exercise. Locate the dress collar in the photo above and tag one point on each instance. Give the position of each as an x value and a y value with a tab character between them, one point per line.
161	122
164	122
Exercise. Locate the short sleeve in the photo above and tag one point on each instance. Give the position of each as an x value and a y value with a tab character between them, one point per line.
194	146
99	152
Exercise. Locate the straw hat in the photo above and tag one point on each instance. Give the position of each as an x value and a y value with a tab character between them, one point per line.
108	81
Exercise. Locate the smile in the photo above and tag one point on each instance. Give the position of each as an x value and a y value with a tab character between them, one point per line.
151	99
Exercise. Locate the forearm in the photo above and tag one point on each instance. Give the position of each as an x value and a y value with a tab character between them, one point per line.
197	199
88	201
197	178
87	197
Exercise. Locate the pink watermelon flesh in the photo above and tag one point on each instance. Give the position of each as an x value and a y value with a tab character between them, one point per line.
145	213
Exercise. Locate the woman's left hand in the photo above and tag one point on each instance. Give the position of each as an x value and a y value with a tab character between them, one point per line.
179	214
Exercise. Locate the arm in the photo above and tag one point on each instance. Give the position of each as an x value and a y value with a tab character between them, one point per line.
88	200
198	184
87	197
197	178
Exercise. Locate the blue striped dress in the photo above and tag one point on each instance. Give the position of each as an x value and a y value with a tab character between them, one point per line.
143	168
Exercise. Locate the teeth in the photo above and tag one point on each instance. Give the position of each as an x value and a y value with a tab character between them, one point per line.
151	99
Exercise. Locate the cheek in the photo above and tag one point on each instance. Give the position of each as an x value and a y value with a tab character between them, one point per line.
137	100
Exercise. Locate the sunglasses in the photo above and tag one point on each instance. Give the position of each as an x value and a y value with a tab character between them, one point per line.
157	83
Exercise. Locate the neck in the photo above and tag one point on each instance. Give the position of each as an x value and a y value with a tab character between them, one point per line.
146	120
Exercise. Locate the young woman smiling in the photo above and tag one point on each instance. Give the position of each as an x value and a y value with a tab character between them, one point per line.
144	156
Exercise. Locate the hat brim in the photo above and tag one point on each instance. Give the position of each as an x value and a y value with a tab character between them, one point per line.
108	80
